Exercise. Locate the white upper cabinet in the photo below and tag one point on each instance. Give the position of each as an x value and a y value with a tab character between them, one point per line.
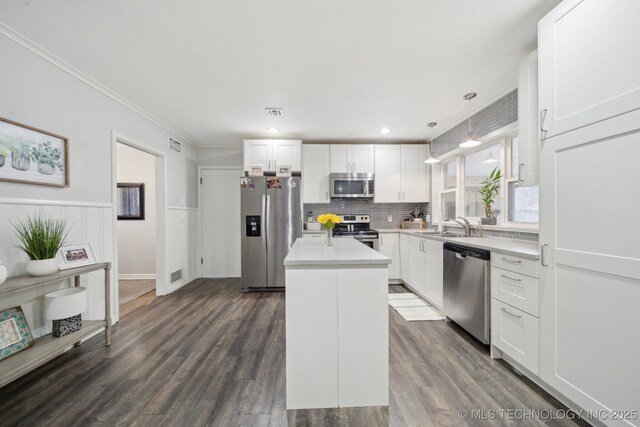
401	174
287	152
362	157
352	158
315	173
588	62
528	130
415	179
387	170
271	153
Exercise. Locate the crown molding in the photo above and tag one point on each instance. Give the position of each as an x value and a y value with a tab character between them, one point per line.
35	48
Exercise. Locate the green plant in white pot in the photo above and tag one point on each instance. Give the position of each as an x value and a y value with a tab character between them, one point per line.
489	191
40	238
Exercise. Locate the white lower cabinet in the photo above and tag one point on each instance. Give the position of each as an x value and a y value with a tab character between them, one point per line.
434	272
421	267
515	334
390	247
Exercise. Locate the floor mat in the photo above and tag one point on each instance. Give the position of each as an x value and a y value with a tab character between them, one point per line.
412	308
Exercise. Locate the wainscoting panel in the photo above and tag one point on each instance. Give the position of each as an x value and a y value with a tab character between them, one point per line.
88	223
182	246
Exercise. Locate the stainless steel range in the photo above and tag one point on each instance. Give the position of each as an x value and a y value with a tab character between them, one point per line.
357	226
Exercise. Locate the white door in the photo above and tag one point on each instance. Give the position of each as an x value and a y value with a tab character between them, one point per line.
286	152
362	158
435	279
387	170
390	246
340	158
220	222
589	63
258	152
590	279
315	173
415	179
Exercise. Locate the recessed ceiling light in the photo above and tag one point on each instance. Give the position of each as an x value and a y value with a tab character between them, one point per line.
273	130
385	131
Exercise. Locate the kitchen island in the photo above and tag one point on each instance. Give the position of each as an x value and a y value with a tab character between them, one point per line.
337	325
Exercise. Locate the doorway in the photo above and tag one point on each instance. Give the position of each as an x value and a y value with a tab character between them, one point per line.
136	227
220	221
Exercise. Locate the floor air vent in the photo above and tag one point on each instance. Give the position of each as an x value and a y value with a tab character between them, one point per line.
176	276
175	145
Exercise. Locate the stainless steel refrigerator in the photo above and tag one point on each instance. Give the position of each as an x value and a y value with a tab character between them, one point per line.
271	212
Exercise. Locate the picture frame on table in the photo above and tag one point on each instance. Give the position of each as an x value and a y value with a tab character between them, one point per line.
284	171
15	334
33	156
77	255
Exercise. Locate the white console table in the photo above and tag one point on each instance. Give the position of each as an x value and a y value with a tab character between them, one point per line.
47	347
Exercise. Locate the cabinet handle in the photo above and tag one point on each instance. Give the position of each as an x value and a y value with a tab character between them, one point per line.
543	116
274	165
543	255
510	314
381	240
512	261
510	278
353	166
403	195
269	164
520	166
398	195
327	195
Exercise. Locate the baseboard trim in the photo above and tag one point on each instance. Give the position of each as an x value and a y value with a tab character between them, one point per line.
149	276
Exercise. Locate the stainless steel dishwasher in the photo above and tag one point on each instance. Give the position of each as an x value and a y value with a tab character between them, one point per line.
467	289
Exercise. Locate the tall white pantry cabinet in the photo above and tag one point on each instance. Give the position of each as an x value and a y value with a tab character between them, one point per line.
589	100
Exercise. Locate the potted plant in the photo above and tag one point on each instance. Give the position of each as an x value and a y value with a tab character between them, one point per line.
3	156
40	238
489	191
47	158
20	156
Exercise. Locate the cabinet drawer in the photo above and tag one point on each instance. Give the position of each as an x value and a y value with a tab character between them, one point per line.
515	263
515	333
515	289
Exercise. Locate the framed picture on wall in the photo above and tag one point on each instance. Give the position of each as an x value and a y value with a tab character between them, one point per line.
33	156
130	201
77	255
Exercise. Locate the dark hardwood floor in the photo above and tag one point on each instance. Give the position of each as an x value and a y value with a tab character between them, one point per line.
211	355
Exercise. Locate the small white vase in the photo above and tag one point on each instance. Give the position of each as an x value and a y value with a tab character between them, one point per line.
3	272
42	267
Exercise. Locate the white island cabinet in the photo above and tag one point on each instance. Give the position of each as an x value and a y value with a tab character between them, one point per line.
337	325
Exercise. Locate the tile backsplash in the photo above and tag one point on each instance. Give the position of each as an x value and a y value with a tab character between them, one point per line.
377	211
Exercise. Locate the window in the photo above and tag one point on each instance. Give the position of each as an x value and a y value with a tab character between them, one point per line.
449	189
477	167
522	201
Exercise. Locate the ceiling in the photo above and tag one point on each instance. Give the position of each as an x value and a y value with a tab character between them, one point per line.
341	70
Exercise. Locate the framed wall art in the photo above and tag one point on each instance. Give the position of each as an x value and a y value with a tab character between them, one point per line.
15	334
130	201
77	255
33	156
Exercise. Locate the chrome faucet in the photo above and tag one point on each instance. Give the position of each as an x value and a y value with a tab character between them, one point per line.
466	225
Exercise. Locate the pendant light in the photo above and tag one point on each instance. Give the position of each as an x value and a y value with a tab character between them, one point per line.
431	158
471	141
490	159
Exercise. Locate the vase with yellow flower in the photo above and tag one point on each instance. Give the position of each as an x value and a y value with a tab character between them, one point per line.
329	221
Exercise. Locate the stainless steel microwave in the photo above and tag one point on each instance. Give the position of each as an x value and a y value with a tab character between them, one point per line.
352	185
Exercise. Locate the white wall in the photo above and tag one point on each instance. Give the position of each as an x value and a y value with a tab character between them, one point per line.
220	156
137	238
38	91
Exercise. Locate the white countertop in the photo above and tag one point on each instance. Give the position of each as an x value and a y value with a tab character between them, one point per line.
308	251
523	248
